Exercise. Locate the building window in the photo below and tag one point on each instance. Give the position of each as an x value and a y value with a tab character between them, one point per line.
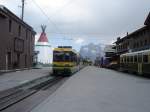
26	34
144	32
137	45
118	48
19	30
9	58
141	42
134	45
18	45
145	43
10	25
121	47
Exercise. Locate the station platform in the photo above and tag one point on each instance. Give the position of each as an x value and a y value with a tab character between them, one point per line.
99	90
14	79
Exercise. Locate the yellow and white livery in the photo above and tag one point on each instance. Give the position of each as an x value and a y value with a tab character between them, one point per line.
65	60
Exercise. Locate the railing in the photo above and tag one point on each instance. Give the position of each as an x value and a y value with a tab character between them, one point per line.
134	50
141	48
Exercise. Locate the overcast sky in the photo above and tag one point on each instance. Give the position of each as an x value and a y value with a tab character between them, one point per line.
78	22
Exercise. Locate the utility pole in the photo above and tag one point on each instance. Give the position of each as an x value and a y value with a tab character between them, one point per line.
22	15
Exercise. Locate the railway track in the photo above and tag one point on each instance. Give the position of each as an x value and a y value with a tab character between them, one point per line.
26	91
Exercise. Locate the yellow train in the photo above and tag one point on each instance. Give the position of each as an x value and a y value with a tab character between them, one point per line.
65	61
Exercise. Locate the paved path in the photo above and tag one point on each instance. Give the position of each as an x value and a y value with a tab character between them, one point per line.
99	90
13	79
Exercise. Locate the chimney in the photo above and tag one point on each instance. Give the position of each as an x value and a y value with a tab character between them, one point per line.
127	33
118	38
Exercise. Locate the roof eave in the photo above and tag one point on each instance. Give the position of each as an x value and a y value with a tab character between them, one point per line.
6	12
147	21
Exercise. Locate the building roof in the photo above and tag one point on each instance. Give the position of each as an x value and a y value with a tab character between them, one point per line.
147	21
109	48
4	12
43	37
131	34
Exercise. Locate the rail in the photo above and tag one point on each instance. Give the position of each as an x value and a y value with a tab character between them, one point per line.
22	93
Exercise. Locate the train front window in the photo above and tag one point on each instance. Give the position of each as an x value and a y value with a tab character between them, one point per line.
61	56
58	56
67	56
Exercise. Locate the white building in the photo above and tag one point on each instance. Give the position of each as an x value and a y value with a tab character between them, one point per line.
109	48
45	55
109	51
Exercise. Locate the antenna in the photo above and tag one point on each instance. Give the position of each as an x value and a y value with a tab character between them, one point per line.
22	15
43	28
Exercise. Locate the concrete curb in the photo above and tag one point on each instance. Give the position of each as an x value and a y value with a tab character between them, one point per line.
2	72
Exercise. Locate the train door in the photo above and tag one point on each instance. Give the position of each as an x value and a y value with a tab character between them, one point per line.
140	64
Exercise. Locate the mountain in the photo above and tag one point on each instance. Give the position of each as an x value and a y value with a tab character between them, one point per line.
91	51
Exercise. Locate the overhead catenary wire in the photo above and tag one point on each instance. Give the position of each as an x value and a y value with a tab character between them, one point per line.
59	32
57	28
63	7
49	19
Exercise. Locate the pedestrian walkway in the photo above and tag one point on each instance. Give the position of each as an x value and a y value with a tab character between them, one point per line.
13	79
99	90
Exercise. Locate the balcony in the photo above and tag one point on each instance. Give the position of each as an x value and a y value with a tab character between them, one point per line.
141	48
